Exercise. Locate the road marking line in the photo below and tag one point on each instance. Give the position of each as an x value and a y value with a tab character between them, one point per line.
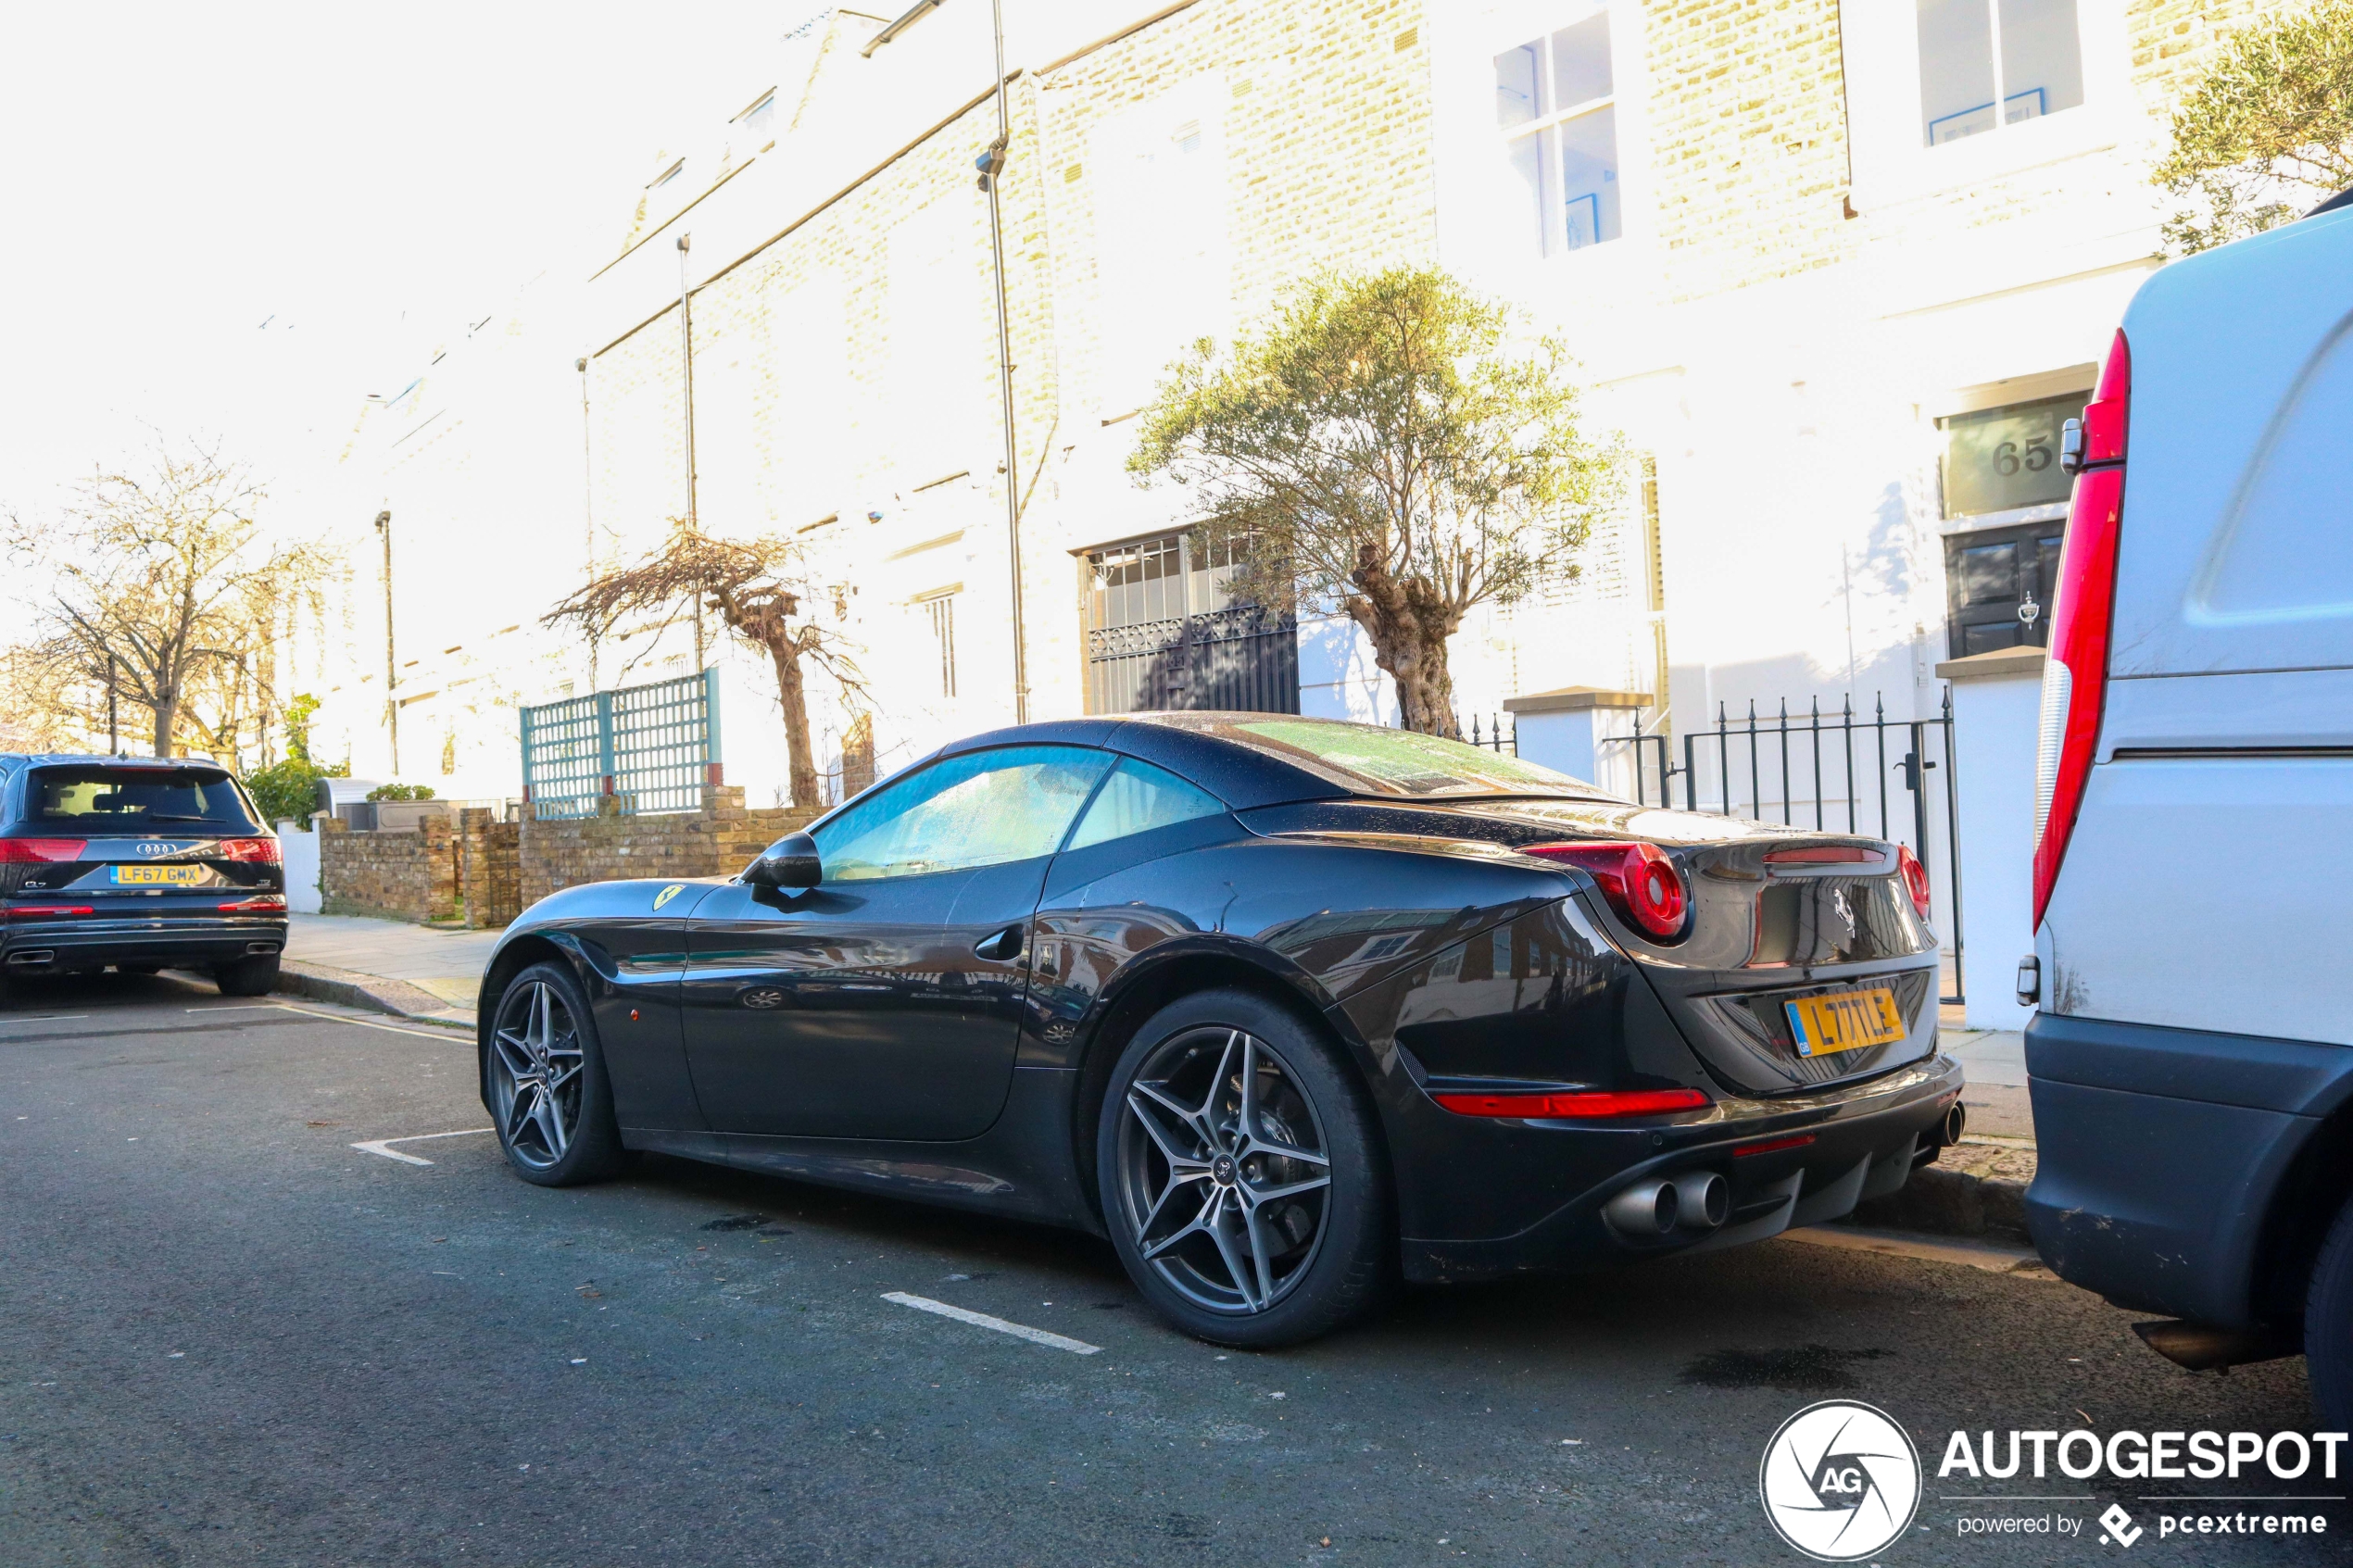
48	1017
236	1007
368	1024
982	1320
380	1145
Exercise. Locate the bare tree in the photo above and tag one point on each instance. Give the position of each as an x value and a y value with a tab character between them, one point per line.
755	588
159	585
1394	444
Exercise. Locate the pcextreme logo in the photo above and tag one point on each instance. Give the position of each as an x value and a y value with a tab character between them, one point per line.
1840	1481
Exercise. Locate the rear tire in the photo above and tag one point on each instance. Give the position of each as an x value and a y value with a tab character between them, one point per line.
2328	1326
1242	1176
256	976
548	1090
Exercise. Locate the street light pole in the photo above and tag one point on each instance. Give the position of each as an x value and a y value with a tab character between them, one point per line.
114	728
392	676
587	499
687	348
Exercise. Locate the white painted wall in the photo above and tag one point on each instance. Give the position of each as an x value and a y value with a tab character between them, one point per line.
1993	724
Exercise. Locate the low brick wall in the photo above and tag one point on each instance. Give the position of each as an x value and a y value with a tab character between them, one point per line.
717	841
493	870
403	875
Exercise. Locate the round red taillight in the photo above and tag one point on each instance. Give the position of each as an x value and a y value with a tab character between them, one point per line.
1638	880
1914	877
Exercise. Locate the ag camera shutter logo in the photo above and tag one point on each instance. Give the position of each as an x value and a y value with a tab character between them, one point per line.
1840	1481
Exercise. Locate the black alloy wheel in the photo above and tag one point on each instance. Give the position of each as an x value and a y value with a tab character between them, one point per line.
548	1085
1240	1174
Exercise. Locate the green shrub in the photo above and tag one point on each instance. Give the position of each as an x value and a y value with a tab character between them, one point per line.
289	789
401	792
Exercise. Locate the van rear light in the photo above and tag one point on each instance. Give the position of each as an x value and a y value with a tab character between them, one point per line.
1638	881
37	851
1914	877
2082	618
253	851
1581	1103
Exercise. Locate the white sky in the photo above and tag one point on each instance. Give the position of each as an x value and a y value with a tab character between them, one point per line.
181	174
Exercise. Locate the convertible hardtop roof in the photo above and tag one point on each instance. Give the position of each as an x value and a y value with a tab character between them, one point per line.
1238	772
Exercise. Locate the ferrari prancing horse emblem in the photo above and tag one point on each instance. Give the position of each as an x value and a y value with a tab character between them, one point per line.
667	894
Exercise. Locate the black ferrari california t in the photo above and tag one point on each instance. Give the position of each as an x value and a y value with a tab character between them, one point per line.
1286	1007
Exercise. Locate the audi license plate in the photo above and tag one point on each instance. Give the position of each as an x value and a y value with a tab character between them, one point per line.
158	876
1844	1020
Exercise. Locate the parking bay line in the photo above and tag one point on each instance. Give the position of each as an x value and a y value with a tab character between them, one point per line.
382	1145
442	1034
982	1320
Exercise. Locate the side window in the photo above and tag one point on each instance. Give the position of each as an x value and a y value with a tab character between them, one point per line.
978	809
1139	796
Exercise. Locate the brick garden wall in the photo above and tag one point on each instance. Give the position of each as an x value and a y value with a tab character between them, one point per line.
493	871
401	875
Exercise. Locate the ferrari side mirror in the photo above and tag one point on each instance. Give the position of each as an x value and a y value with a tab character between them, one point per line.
791	861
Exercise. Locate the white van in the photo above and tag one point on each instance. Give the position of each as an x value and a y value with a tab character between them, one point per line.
2192	1060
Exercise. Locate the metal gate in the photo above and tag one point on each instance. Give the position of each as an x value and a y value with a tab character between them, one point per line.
1892	778
1240	659
652	748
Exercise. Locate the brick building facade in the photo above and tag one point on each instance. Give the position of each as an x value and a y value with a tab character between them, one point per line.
1809	280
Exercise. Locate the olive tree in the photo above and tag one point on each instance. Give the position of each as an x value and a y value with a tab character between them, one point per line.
1394	446
2265	131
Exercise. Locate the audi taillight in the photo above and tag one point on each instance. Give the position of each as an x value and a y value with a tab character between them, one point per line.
2075	669
1638	881
252	851
38	851
48	912
1577	1103
1914	877
261	904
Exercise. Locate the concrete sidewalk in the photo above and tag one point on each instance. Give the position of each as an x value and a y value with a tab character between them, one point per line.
412	970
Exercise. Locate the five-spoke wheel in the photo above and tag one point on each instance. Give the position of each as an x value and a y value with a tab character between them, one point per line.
1240	1172
546	1090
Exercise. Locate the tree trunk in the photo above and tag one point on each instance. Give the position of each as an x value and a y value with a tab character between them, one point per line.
793	697
167	712
1409	622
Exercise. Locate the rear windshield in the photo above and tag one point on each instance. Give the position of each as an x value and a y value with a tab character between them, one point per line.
129	799
1369	760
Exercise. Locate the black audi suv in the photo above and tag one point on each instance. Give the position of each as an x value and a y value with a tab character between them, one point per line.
140	864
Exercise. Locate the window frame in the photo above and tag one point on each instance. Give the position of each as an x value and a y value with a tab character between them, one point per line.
1892	161
1552	240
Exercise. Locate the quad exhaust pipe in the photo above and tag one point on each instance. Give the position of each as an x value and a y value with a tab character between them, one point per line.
1696	1200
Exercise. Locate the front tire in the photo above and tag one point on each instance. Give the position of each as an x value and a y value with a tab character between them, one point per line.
548	1084
1242	1179
255	976
2328	1325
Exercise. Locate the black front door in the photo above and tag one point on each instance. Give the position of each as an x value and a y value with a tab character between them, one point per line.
885	1002
1990	574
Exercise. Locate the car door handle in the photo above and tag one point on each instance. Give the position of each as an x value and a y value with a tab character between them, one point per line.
1005	944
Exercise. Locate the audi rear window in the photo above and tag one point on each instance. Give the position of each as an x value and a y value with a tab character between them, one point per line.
100	801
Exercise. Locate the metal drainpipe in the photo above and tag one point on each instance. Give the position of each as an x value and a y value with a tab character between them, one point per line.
992	164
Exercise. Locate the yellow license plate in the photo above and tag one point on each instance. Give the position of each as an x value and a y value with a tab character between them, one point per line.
1846	1020
158	876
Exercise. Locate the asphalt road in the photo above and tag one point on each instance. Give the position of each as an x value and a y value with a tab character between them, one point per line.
229	1337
